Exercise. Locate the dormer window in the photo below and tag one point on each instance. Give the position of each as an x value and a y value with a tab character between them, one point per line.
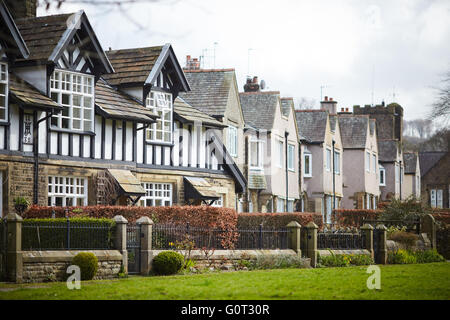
3	92
75	93
161	104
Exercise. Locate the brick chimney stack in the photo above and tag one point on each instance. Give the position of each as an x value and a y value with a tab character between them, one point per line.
22	8
329	104
192	63
252	85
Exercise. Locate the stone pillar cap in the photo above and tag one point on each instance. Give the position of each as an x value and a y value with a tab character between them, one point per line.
294	224
144	220
120	219
381	227
367	227
13	217
312	225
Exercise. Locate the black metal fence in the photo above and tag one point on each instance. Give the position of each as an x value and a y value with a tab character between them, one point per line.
343	241
412	224
166	236
66	236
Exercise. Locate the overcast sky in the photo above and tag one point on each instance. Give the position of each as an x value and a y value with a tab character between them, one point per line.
355	49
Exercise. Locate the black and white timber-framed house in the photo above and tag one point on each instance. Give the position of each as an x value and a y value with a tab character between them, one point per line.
81	126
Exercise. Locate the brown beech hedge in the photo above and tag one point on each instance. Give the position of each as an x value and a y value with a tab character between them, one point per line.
277	220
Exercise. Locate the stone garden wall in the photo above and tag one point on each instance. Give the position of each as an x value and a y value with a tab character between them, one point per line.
43	266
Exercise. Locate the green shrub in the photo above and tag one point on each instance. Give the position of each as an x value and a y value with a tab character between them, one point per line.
405	238
88	264
427	256
272	261
401	257
344	260
168	262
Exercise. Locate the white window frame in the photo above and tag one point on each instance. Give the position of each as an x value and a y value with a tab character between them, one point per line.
4	95
439	198
218	203
232	141
291	157
374	163
290	205
160	103
307	174
367	161
280	147
337	162
260	153
156	191
382	170
328	159
67	187
281	202
73	84
433	198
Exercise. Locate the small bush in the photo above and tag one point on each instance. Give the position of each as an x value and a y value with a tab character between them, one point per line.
428	256
361	260
273	261
88	264
168	262
405	238
401	257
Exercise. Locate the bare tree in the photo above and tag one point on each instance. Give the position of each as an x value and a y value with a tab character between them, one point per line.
305	103
441	107
420	128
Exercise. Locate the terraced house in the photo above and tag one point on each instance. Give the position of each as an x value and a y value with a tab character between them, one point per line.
321	158
81	126
272	149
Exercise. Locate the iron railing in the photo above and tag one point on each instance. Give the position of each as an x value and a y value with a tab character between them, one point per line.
166	236
66	236
342	241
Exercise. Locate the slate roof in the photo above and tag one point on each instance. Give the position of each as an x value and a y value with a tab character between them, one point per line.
10	36
312	124
188	114
259	108
132	65
117	105
410	162
427	160
42	34
286	106
353	131
257	181
29	95
387	150
209	90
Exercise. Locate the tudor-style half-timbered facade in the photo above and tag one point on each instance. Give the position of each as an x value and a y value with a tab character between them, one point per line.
79	118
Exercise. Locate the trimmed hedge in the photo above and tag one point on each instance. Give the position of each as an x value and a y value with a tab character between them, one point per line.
197	216
88	263
167	263
277	220
354	217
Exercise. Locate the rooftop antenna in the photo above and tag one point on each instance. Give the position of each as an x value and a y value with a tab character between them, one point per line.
373	81
321	89
248	61
215	44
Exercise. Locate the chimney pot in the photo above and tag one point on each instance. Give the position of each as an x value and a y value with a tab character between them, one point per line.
346	109
326	98
331	99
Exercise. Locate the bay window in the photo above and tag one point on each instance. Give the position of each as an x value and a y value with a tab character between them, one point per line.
291	157
75	93
337	162
256	154
161	104
374	163
67	191
280	153
367	161
157	195
3	92
328	159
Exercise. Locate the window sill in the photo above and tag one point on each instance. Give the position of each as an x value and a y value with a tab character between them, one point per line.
159	143
305	176
291	170
85	133
4	123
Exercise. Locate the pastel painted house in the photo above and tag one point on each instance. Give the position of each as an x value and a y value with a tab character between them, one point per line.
272	149
321	159
360	162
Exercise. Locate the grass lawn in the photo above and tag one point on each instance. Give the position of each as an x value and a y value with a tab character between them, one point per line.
419	281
